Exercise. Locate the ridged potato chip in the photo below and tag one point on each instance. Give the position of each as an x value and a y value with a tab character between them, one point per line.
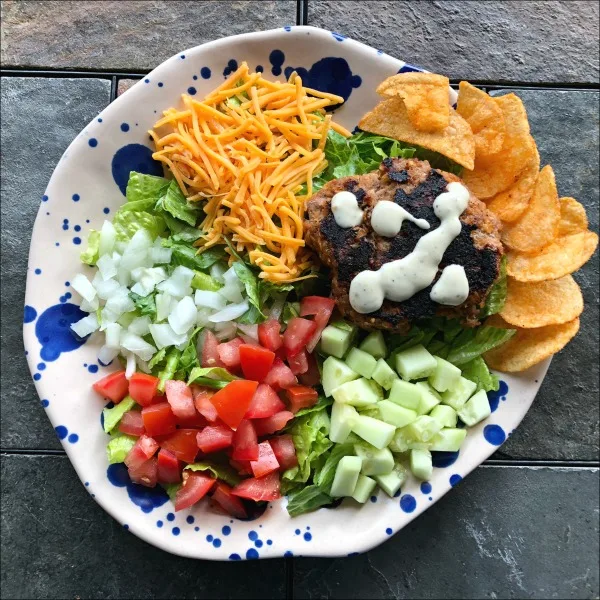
528	347
563	256
390	118
425	96
484	116
495	173
542	303
539	224
572	217
510	204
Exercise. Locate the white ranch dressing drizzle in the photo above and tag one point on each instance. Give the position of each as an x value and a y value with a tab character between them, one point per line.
452	288
400	279
387	218
346	212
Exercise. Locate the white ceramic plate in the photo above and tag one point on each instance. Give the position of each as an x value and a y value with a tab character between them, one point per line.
86	187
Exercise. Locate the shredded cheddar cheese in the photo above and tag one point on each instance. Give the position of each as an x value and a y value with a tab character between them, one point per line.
249	151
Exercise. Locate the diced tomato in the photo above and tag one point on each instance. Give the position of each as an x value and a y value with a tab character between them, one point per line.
143	388
299	363
285	451
231	504
241	466
321	308
182	443
213	438
311	376
143	450
132	423
266	463
180	398
114	386
168	467
197	421
146	474
159	419
269	334
245	444
298	333
272	424
194	488
233	400
203	404
209	344
280	376
256	361
301	396
229	353
259	488
265	403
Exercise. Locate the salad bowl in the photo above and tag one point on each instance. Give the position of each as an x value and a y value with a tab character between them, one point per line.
88	186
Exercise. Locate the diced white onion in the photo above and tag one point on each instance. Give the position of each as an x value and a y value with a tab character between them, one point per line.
178	285
120	302
112	333
140	242
142	365
230	312
230	276
226	332
216	272
140	325
202	318
123	276
248	340
108	236
184	315
140	290
107	355
81	284
136	344
90	306
137	273
120	247
164	304
130	368
205	299
164	336
107	267
160	255
85	326
231	292
277	306
250	331
105	289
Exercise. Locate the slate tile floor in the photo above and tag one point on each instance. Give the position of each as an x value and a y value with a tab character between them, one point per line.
525	525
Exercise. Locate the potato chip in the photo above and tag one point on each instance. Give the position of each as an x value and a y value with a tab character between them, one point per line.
484	116
563	256
572	217
510	204
390	118
542	303
497	172
539	224
425	96
528	347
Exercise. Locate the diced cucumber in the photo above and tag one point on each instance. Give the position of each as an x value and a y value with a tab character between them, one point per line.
344	326
421	464
391	482
342	419
445	376
415	363
423	428
335	373
374	344
429	398
396	415
370	411
374	431
363	489
384	375
475	410
399	443
459	393
375	461
346	476
361	362
445	415
405	394
336	341
360	392
449	440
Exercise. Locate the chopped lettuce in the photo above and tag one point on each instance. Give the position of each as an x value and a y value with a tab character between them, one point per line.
112	416
146	188
170	368
250	281
219	471
180	231
203	281
118	448
90	255
176	204
188	359
171	489
486	338
186	255
497	296
127	222
322	403
307	499
477	371
324	476
216	377
145	305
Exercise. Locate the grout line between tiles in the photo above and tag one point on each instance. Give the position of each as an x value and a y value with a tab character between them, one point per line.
302	12
113	88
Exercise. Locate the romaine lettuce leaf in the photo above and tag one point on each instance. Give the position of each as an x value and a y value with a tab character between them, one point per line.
170	368
323	477
176	204
485	339
497	296
216	377
127	222
250	281
186	255
145	305
118	448
180	231
222	471
477	371
146	188
112	416
307	499
90	255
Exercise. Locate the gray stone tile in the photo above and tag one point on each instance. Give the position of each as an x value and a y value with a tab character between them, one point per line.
565	127
504	532
130	36
40	117
58	543
492	40
124	84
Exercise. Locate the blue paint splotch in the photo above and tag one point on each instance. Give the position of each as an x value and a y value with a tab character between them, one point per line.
133	157
230	68
205	73
276	58
410	69
29	314
53	330
339	37
146	498
408	503
495	397
455	479
494	434
426	487
331	74
441	460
